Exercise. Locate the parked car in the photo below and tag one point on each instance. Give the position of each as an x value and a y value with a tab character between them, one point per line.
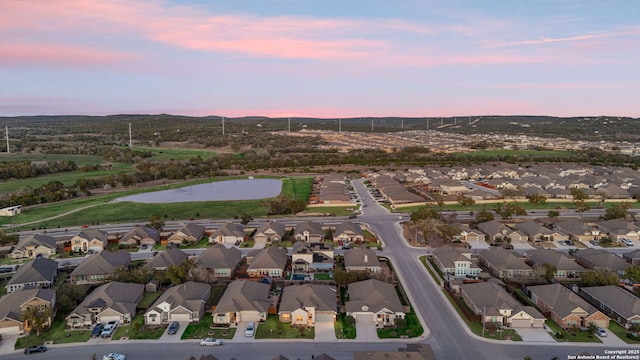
35	349
210	342
626	242
250	330
114	356
109	329
97	330
601	332
173	328
595	242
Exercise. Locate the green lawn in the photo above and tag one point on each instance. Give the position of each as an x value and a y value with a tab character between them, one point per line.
334	210
166	154
203	329
274	329
424	260
297	187
621	332
57	333
411	330
322	276
99	210
137	330
343	330
581	336
148	299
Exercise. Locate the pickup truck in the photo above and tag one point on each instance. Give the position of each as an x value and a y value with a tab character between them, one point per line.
109	329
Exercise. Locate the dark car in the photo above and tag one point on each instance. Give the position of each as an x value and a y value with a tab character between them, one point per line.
173	328
97	330
33	349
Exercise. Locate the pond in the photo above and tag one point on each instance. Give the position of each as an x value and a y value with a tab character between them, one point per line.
247	189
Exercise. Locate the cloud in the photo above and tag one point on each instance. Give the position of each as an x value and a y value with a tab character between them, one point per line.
30	54
545	41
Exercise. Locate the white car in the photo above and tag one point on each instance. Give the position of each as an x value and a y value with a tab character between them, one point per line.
601	332
626	242
210	342
114	356
250	330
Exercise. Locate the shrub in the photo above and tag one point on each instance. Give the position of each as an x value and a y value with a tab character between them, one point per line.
349	320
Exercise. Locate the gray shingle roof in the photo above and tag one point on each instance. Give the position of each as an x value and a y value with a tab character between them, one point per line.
243	295
562	300
320	297
374	294
503	259
168	257
104	262
119	296
602	259
269	258
37	270
190	295
361	256
555	258
36	240
616	298
10	304
219	257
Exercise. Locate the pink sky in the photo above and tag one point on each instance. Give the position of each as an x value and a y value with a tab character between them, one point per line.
325	60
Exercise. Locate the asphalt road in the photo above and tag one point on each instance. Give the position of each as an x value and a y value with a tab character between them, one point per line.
444	330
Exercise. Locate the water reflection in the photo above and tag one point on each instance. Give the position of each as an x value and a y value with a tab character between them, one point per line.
248	189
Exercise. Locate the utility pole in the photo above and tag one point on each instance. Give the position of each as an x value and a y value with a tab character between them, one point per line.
427	124
223	125
130	138
6	131
340	126
401	123
371	125
483	315
289	125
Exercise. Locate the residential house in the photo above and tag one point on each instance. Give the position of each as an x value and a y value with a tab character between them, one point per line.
374	300
503	264
242	301
348	232
567	309
601	259
538	233
220	260
163	259
467	234
271	262
566	267
271	232
492	301
307	304
632	257
184	302
578	230
97	268
230	233
308	231
496	231
14	304
189	233
619	229
39	272
312	257
449	187
139	236
114	301
90	240
34	245
617	303
456	262
361	258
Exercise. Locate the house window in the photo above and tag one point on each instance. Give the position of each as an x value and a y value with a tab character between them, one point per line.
286	317
299	318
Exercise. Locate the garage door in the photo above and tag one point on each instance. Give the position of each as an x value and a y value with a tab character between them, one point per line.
324	318
106	319
11	330
365	317
180	317
520	323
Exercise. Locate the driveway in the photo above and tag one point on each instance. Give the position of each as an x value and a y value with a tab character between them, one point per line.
325	331
240	332
166	338
366	331
535	335
7	344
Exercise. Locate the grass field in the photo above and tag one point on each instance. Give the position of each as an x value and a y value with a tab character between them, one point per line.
166	154
203	329
274	329
99	210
